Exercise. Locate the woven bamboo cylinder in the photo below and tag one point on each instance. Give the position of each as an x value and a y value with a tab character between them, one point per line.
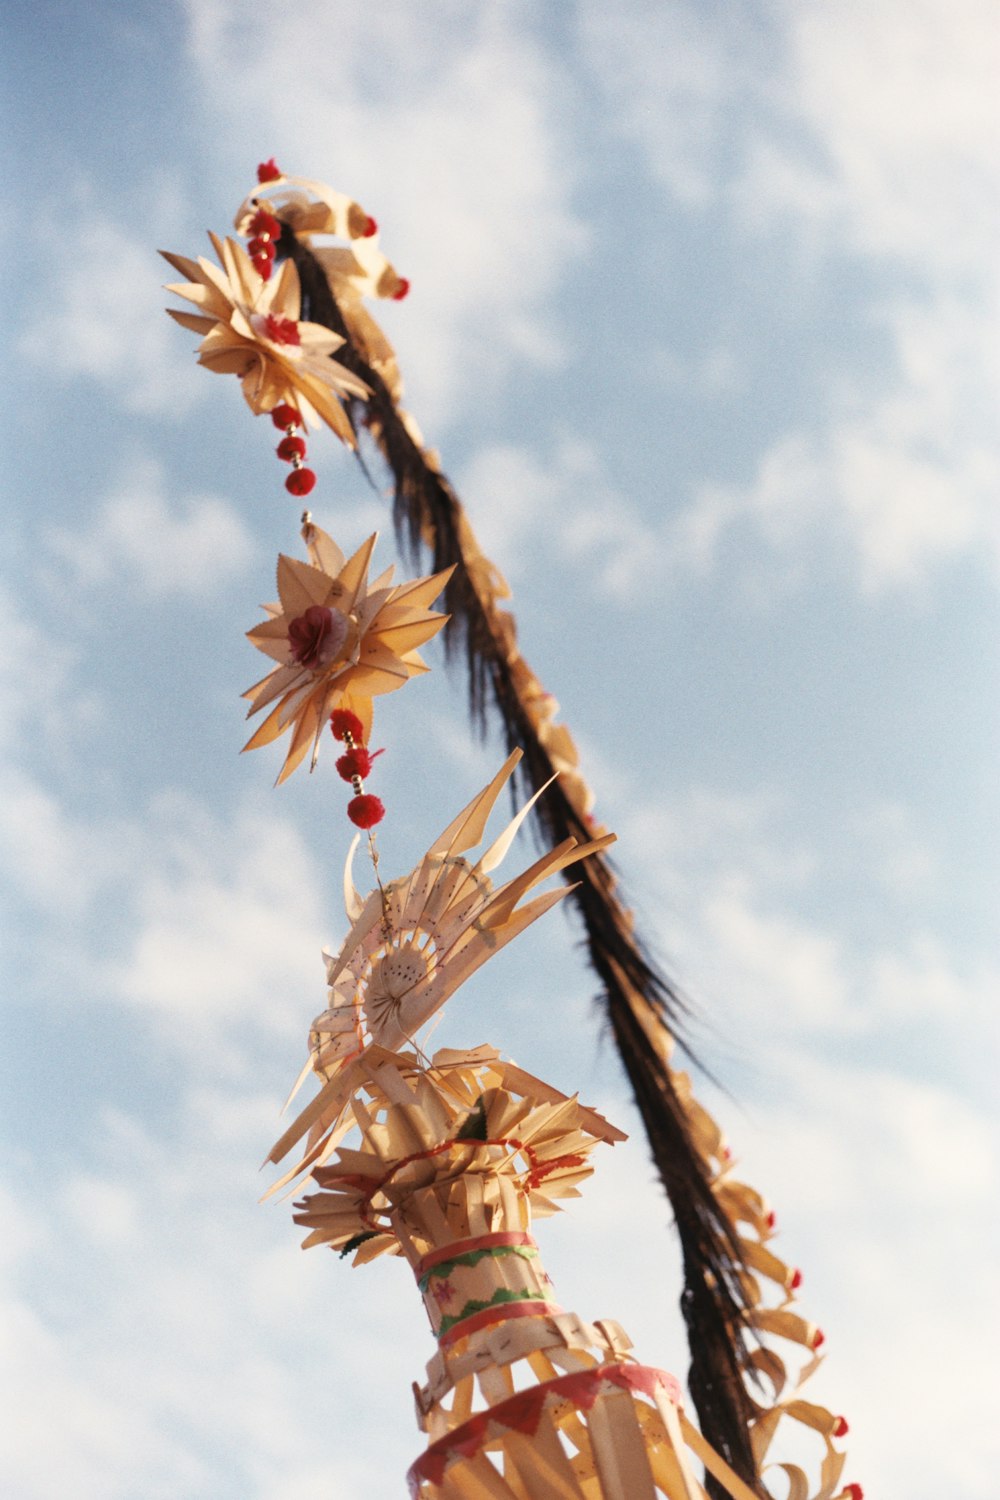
523	1399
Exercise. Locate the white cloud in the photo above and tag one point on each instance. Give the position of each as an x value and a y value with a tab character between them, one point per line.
875	125
665	76
42	695
106	320
211	929
518	494
228	925
866	133
203	1353
139	536
902	484
103	1213
450	122
921	980
786	966
902	98
58	861
901	860
742	907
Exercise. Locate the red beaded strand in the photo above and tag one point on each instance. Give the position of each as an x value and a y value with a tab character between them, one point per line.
292	449
364	810
265	231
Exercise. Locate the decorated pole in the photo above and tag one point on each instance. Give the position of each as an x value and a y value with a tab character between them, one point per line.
447	1160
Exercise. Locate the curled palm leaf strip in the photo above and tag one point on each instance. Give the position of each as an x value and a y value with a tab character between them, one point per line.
639	1002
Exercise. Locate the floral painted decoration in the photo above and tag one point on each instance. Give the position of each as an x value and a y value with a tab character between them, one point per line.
338	642
252	329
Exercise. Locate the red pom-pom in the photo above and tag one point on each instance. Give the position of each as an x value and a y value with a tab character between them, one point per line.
344	723
854	1492
286	416
263	265
258	246
265	223
282	330
365	811
291	447
371	227
356	762
819	1338
300	482
840	1427
796	1280
269	171
401	290
772	1219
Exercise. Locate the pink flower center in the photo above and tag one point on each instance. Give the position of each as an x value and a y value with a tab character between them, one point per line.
317	637
281	330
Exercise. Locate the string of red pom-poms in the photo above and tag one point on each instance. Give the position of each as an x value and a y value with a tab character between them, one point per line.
292	449
354	765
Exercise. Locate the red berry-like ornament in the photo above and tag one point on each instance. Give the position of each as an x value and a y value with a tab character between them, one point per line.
819	1339
344	723
356	762
284	415
854	1492
840	1427
300	482
796	1280
264	223
401	290
261	246
365	811
370	228
269	171
291	448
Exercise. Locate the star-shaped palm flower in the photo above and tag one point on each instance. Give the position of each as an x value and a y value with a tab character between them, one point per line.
338	641
251	329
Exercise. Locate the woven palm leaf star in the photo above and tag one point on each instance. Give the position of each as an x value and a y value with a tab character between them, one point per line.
415	942
252	330
338	641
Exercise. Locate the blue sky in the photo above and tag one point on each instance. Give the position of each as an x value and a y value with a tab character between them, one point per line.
703	323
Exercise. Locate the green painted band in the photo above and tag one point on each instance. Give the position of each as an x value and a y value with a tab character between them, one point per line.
501	1296
473	1257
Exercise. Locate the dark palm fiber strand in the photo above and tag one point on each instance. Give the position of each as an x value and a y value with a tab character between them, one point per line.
426	513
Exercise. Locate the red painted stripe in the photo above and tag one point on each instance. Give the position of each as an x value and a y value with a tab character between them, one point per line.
498	1314
462	1247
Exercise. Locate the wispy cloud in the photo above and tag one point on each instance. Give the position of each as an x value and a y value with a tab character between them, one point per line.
866	141
198	1359
105	318
903	482
901	100
227	926
743	910
142	538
